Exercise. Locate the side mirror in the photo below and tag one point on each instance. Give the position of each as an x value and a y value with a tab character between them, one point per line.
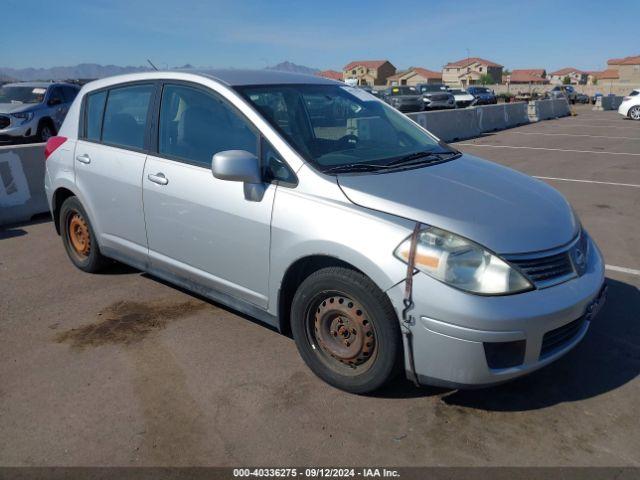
54	101
236	166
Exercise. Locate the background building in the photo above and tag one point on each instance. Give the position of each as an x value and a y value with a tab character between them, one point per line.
471	71
414	76
576	77
628	68
531	76
369	72
331	74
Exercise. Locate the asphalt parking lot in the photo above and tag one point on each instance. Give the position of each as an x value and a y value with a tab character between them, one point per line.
122	369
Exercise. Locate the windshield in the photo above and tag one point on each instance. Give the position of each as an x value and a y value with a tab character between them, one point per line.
333	126
403	91
480	90
457	92
432	88
21	94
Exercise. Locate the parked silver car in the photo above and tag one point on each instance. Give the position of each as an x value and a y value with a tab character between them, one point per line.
319	209
436	96
34	110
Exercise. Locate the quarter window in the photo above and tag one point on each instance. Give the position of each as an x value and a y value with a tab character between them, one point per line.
125	116
195	125
94	112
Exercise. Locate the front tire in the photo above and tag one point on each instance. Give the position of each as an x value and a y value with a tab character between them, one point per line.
634	113
346	330
45	132
78	237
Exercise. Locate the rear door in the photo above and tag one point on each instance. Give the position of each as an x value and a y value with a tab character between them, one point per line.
109	163
204	231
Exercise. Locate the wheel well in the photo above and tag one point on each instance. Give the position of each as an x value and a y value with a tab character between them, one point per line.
295	274
59	196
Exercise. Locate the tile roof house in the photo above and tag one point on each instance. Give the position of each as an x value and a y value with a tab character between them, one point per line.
369	72
414	76
331	74
595	76
536	76
628	68
468	71
576	77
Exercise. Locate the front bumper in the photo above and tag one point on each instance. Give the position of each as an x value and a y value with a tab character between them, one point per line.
17	130
453	331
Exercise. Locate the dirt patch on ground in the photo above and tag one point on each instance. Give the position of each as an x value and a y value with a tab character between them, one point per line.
127	322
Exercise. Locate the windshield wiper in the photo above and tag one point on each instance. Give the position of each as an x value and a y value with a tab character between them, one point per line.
431	156
355	167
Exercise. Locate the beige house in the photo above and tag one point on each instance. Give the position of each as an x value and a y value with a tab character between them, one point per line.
414	76
330	74
470	70
628	68
576	77
530	76
598	77
369	72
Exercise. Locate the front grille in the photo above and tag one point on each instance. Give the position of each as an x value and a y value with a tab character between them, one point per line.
4	122
558	338
545	271
439	97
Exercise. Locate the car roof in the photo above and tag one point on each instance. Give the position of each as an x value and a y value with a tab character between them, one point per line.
261	77
230	77
39	84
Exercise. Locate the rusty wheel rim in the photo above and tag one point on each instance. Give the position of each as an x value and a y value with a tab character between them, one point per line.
79	236
343	332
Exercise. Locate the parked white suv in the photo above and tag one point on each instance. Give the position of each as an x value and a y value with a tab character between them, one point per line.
630	106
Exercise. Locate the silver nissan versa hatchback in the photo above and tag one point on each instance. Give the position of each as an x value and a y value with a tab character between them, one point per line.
322	211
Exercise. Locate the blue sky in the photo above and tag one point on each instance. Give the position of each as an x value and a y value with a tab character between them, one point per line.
321	34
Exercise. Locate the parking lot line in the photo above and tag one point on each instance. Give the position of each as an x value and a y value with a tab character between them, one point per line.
582	125
549	149
588	181
576	135
630	271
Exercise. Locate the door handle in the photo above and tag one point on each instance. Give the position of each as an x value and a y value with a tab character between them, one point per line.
158	178
84	158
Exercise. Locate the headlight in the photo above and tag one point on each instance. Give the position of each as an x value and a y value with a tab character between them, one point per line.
24	116
462	263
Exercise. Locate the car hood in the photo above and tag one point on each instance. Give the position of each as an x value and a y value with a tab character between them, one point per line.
15	107
501	209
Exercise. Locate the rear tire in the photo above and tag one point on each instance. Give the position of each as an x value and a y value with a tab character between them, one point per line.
78	237
634	113
346	330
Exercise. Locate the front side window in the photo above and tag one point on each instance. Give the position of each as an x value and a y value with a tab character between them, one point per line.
195	125
125	116
333	125
70	93
56	97
94	110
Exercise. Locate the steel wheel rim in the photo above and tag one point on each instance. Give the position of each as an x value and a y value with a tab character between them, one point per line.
341	333
46	133
79	235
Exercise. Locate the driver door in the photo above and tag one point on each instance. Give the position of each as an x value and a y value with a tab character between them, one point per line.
203	232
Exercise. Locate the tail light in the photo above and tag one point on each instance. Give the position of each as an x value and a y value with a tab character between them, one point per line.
624	99
52	145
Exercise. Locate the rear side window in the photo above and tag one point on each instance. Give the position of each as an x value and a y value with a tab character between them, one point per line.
125	116
94	112
634	93
195	125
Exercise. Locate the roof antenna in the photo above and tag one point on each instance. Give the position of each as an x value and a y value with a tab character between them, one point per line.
154	67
